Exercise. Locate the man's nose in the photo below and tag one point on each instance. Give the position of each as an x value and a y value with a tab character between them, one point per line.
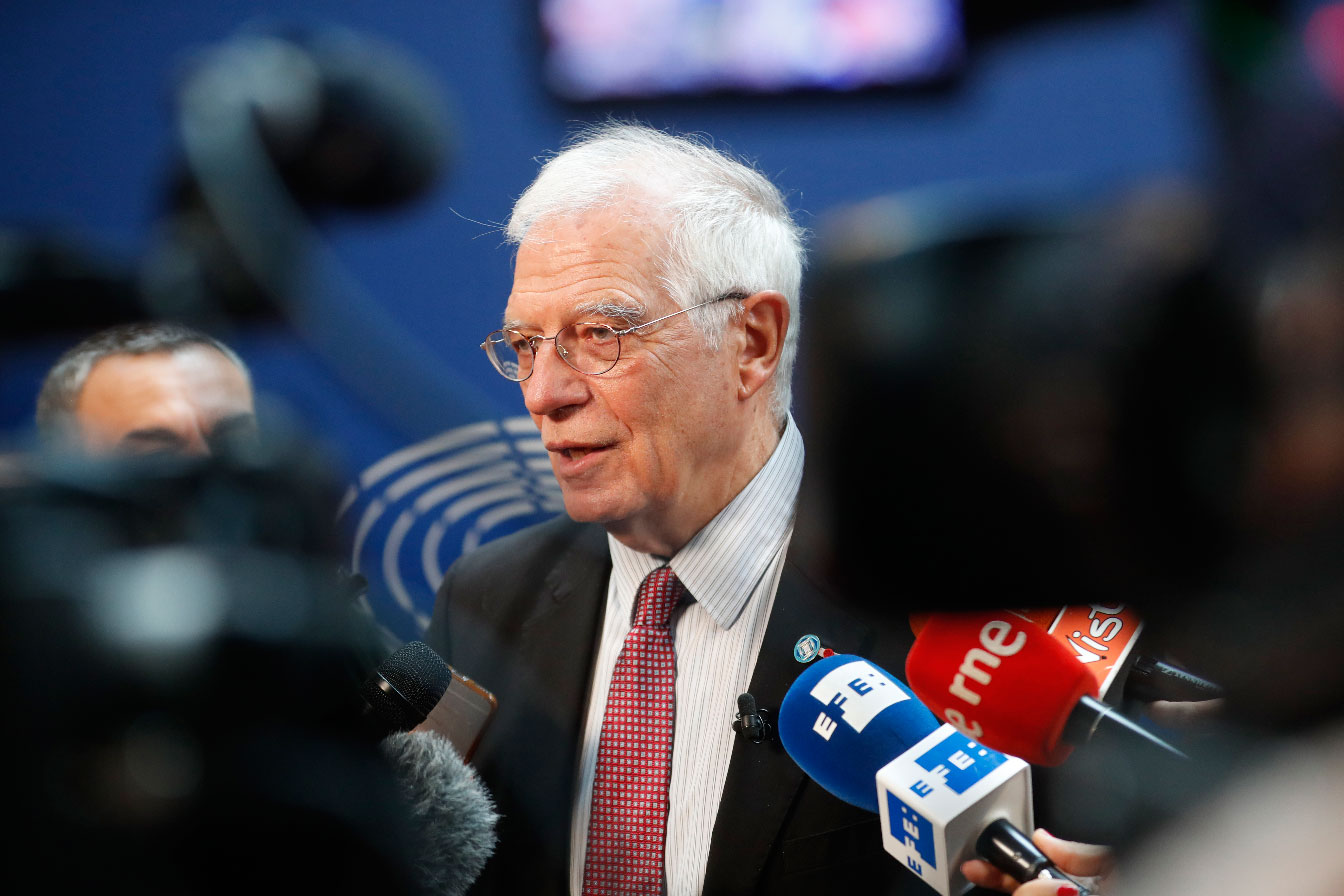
553	384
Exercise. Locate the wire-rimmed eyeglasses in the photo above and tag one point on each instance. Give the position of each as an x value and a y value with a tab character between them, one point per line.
587	347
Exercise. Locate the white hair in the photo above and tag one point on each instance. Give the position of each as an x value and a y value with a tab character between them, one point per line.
727	228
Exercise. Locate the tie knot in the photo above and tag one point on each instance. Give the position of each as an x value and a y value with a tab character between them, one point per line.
658	596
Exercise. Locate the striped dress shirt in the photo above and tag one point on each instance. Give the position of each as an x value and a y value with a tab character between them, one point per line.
731	568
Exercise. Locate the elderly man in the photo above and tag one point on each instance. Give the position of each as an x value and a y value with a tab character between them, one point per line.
652	327
146	388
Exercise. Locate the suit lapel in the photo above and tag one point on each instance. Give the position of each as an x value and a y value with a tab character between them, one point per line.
763	781
557	643
560	634
558	639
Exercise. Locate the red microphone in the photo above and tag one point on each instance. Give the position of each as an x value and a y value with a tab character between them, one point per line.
1004	681
1102	637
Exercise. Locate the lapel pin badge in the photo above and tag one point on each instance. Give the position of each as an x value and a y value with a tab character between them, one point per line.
809	648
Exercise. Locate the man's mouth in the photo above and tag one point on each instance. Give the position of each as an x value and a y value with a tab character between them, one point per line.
575	452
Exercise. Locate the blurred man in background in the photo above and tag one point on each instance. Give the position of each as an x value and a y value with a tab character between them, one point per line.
146	388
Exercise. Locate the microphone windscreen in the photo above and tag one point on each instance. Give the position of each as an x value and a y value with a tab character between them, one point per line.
449	807
1001	679
407	685
843	719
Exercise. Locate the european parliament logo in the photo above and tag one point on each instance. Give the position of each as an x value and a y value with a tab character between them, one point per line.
412	513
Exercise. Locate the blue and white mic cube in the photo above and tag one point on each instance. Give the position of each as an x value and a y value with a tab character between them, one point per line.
936	798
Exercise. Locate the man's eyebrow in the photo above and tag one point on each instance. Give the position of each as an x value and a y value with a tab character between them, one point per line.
628	310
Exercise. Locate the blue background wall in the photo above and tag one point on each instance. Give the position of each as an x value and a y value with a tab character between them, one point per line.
1088	103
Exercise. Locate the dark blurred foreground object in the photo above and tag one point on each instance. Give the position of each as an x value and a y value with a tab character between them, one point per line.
1092	404
279	127
1026	406
52	283
184	663
1102	403
279	131
1268	627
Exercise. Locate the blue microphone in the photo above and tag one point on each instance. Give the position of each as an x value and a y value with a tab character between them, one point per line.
844	718
865	738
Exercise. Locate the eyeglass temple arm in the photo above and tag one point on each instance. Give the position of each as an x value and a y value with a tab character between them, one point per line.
737	295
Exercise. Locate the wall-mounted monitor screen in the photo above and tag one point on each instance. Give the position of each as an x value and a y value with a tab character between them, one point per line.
646	49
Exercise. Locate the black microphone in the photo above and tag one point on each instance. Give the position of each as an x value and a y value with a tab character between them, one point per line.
414	689
752	723
401	692
1151	679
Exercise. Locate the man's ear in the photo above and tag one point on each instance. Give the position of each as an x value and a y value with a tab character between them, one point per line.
764	321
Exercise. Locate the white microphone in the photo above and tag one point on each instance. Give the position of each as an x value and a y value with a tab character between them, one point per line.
945	794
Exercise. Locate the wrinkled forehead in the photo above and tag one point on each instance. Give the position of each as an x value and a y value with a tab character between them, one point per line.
630	226
605	261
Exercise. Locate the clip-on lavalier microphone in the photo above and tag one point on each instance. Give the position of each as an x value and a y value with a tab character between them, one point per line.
752	723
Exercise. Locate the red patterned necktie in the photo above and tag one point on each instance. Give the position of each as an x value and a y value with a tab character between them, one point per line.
627	831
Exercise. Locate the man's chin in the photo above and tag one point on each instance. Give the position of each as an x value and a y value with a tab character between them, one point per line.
583	509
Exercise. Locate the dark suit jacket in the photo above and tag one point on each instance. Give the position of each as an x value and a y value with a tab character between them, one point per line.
520	615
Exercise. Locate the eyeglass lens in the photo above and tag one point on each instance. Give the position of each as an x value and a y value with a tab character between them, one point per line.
588	348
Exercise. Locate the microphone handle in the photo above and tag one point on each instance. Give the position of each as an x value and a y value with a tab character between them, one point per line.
1011	851
1152	679
1091	716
